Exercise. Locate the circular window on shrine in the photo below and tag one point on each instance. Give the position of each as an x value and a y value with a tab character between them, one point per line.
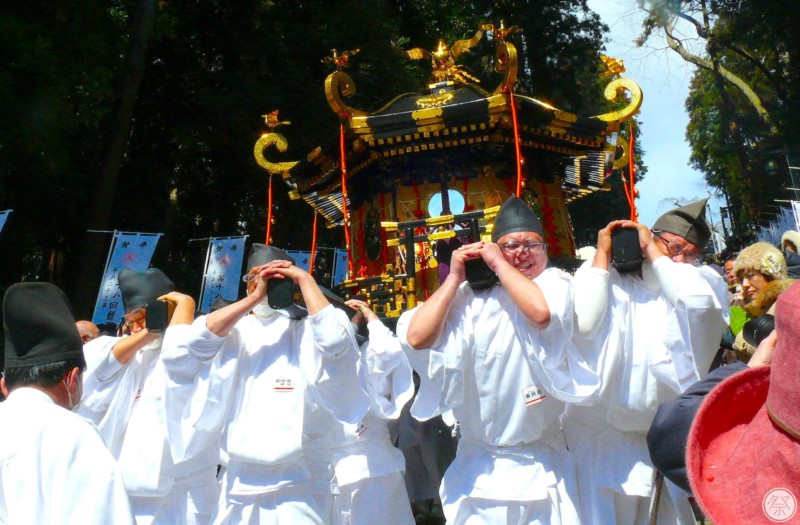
446	204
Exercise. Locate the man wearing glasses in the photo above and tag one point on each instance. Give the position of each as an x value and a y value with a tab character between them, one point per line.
650	332
499	358
125	396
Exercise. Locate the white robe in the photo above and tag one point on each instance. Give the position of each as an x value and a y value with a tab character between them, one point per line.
127	402
649	338
54	468
506	383
368	468
250	395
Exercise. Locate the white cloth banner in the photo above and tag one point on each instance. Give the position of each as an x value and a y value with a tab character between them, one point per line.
787	221
796	210
301	259
128	250
223	270
339	267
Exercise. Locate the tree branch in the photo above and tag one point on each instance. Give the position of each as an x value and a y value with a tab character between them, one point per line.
676	45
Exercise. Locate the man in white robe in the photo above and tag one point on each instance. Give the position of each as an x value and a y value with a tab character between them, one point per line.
258	375
499	359
54	468
368	468
125	389
650	333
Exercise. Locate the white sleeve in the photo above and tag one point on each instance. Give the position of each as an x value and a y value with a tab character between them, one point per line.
202	370
699	297
562	368
102	378
333	333
109	388
590	288
429	365
389	380
335	379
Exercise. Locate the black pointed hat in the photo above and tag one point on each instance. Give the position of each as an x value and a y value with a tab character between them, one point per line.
515	216
262	254
688	222
39	326
139	289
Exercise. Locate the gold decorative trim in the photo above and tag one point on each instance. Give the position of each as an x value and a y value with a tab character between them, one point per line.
612	92
622	161
339	84
435	101
506	62
280	143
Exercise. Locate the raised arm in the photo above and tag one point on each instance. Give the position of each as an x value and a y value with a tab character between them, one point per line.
125	349
428	321
525	293
184	308
223	320
591	283
313	297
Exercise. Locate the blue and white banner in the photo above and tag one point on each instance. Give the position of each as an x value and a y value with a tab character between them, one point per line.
223	271
301	259
128	250
339	267
796	210
785	221
3	217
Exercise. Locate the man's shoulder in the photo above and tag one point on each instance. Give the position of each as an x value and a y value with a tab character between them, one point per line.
41	421
553	276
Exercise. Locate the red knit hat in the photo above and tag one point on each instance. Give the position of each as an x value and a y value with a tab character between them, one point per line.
743	453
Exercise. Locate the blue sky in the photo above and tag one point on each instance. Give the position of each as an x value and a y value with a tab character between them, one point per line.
664	78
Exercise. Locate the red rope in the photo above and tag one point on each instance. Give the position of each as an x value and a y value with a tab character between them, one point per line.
632	174
384	255
516	145
418	212
346	214
467	205
548	219
313	245
360	234
269	212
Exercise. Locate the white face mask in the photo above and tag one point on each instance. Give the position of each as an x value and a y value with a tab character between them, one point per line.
263	310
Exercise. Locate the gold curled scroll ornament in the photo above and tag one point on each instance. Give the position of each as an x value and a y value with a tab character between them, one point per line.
611	93
622	161
506	62
337	85
267	140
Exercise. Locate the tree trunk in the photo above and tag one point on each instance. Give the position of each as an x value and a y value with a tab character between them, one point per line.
118	133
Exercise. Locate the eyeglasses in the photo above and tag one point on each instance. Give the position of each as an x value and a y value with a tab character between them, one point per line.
513	247
675	248
246	278
137	318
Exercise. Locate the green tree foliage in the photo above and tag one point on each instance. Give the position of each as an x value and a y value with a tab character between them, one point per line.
212	69
743	102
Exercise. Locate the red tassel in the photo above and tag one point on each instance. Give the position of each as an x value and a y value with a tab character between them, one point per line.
517	145
269	212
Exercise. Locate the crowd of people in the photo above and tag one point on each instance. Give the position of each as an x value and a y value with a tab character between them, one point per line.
622	394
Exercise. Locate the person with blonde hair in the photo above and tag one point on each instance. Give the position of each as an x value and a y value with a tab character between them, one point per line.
761	270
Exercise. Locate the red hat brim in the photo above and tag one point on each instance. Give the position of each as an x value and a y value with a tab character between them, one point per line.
742	467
